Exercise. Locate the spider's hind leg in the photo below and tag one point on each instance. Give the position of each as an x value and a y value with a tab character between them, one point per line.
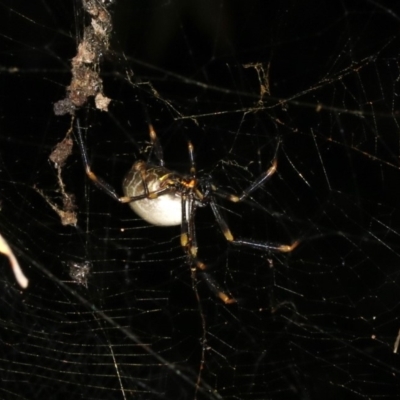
189	244
268	246
216	289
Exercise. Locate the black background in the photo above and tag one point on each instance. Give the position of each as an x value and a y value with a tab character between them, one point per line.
320	322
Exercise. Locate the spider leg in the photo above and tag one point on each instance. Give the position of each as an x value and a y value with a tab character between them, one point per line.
259	181
192	163
189	245
215	287
268	246
158	151
105	186
190	251
264	177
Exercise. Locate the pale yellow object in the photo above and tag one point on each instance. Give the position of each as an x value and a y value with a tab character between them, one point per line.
19	275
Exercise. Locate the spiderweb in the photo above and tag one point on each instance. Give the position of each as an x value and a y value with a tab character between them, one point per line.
112	310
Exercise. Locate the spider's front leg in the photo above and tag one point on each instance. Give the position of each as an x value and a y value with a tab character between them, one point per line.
100	182
148	204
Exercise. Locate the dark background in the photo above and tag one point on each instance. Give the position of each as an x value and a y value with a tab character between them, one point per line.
320	322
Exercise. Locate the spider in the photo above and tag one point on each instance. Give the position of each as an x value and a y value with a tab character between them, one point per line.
167	198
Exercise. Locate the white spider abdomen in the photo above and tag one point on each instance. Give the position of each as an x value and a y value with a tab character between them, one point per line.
163	210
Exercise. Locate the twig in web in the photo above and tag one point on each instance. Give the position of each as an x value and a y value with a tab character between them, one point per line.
396	343
19	275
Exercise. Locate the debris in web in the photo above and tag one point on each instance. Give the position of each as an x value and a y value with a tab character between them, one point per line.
80	272
62	151
263	78
19	275
86	81
67	212
58	157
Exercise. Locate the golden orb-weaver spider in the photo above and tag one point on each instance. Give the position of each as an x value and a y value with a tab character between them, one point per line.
166	198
